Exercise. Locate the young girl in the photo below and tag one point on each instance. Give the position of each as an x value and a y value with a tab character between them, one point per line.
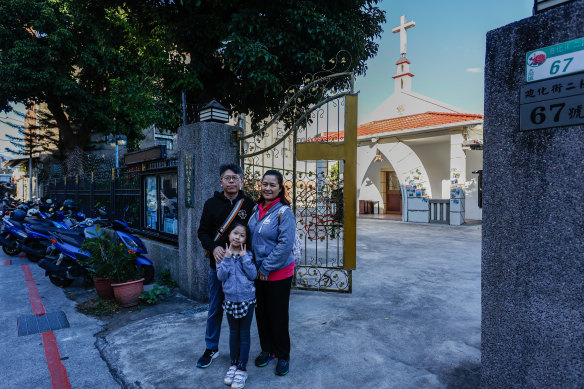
237	272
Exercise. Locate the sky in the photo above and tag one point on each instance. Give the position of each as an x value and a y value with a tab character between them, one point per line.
4	129
446	49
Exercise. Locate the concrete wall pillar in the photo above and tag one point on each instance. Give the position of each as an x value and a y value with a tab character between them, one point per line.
202	148
533	224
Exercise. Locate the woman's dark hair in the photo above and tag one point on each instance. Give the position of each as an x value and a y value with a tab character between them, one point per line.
280	178
247	234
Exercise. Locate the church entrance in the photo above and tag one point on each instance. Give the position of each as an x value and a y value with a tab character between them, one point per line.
392	196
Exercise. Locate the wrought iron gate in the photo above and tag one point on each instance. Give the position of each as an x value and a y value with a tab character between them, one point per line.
315	148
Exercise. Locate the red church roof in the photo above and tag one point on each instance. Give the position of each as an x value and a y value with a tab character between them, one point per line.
419	120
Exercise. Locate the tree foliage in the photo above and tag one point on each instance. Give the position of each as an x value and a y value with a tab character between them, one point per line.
95	61
88	65
246	53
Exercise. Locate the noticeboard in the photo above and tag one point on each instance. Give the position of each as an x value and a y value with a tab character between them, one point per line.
552	103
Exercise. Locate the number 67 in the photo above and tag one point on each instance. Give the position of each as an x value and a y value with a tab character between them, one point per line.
538	113
556	65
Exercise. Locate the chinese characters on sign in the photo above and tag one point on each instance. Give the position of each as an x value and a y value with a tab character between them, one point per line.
555	61
552	103
189	181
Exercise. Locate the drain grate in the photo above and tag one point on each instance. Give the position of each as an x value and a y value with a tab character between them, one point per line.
32	324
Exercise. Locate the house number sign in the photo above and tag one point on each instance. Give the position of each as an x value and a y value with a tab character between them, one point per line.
555	61
552	103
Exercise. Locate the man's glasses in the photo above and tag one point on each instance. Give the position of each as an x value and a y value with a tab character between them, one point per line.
230	178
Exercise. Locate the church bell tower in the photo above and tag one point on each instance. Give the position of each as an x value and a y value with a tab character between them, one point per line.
403	77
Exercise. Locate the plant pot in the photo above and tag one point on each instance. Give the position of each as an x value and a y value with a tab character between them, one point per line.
127	293
103	287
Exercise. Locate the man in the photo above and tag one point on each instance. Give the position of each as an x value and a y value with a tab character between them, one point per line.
216	212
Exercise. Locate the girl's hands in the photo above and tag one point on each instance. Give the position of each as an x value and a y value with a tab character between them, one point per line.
228	252
243	252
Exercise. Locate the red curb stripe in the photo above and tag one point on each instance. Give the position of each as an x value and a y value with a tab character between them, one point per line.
7	262
58	372
35	299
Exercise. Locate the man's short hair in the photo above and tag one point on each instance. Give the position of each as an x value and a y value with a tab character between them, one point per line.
230	166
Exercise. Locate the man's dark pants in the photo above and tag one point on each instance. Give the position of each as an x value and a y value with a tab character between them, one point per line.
215	315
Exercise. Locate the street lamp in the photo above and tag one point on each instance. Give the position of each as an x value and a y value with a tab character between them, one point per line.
117	140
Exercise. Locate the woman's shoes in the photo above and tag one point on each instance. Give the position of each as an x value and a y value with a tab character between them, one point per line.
263	359
282	367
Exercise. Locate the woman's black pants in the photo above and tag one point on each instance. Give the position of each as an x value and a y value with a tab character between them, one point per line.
273	301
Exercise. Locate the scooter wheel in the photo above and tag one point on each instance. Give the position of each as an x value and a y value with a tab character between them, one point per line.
148	274
11	251
34	258
60	282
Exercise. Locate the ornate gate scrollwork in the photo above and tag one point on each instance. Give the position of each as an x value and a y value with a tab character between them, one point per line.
307	144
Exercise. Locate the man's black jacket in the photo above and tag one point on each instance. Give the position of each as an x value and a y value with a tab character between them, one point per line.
215	211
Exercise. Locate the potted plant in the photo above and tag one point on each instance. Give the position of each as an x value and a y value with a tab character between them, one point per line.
127	280
114	262
102	250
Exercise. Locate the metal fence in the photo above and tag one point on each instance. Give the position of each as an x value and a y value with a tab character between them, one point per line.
118	191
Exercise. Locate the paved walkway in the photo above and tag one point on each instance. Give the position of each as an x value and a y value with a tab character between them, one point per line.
412	321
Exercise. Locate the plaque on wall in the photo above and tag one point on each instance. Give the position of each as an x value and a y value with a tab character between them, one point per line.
189	181
556	102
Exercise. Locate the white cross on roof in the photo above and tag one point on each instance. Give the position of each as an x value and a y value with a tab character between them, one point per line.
402	33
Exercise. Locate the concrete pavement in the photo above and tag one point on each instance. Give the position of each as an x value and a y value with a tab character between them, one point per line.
412	321
29	361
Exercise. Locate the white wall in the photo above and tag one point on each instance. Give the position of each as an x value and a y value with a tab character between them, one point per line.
436	160
474	161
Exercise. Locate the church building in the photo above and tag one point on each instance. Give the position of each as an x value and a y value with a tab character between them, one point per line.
417	155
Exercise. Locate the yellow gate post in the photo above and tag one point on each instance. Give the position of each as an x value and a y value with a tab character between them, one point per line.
347	151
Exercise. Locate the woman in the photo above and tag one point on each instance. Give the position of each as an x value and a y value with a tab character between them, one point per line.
273	229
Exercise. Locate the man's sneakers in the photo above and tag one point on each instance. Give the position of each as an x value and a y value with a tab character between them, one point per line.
239	379
263	359
282	367
228	380
207	358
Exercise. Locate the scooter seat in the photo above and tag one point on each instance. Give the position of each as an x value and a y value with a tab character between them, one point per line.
17	224
42	228
73	238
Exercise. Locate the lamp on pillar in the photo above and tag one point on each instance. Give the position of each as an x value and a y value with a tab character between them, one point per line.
116	140
214	112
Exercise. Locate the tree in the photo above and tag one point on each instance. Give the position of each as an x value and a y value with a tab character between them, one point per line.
86	65
96	61
30	141
247	53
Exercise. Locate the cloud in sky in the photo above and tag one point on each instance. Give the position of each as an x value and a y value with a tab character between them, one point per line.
474	70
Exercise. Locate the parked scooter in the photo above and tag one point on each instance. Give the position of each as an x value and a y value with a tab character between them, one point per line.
13	232
71	261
